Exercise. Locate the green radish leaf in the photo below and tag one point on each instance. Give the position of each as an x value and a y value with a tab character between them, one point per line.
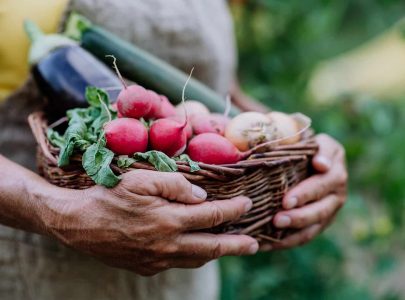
65	154
75	132
194	167
91	137
96	127
87	115
92	96
102	141
158	159
82	145
85	134
124	161
55	138
100	101
92	160
96	162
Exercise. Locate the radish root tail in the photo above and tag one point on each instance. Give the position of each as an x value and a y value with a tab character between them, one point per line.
117	70
183	98
106	108
228	103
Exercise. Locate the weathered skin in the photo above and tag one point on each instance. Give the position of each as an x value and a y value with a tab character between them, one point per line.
184	33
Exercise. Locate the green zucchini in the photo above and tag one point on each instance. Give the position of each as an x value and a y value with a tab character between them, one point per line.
140	66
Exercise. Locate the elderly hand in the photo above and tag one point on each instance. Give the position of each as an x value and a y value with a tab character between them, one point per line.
146	223
313	203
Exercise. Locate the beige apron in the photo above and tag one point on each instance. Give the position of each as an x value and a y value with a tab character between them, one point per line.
185	33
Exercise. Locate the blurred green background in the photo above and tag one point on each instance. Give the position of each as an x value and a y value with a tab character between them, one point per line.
362	255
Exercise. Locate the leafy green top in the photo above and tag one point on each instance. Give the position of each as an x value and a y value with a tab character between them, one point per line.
85	135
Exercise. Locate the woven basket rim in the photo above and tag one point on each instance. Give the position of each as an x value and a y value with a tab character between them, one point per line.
276	155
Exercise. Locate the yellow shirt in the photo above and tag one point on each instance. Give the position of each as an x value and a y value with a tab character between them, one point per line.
14	43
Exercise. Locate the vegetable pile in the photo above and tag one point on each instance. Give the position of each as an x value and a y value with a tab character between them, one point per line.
144	126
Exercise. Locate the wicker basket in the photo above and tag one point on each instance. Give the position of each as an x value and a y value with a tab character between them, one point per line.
264	177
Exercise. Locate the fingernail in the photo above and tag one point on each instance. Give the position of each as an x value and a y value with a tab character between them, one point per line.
324	162
198	192
291	202
254	248
248	205
283	221
266	248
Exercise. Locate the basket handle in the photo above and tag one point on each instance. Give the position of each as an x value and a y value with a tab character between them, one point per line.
37	123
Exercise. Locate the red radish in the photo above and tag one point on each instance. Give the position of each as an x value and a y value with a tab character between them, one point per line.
133	101
161	107
155	105
194	108
169	136
166	108
212	148
214	123
180	120
126	136
221	120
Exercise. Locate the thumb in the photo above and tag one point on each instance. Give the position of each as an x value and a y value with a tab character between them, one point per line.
170	186
173	186
322	161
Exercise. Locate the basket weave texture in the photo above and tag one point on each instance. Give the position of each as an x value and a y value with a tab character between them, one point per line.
264	177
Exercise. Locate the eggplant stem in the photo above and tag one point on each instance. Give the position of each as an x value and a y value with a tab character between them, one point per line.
32	30
118	71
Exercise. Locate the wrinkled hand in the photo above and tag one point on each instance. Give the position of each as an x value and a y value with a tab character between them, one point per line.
144	224
313	204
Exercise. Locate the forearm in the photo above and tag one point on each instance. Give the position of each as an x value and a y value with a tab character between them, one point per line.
245	102
24	197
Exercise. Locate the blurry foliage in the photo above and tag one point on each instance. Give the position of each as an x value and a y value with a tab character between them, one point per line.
280	42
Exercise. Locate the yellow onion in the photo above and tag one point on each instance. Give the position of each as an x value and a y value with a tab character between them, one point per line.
250	129
287	127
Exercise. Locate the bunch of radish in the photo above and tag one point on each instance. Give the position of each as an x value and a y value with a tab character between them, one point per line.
206	137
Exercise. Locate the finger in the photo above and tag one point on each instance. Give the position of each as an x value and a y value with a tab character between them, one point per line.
158	267
265	247
213	213
316	187
212	246
298	239
188	263
317	212
328	147
170	186
178	262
